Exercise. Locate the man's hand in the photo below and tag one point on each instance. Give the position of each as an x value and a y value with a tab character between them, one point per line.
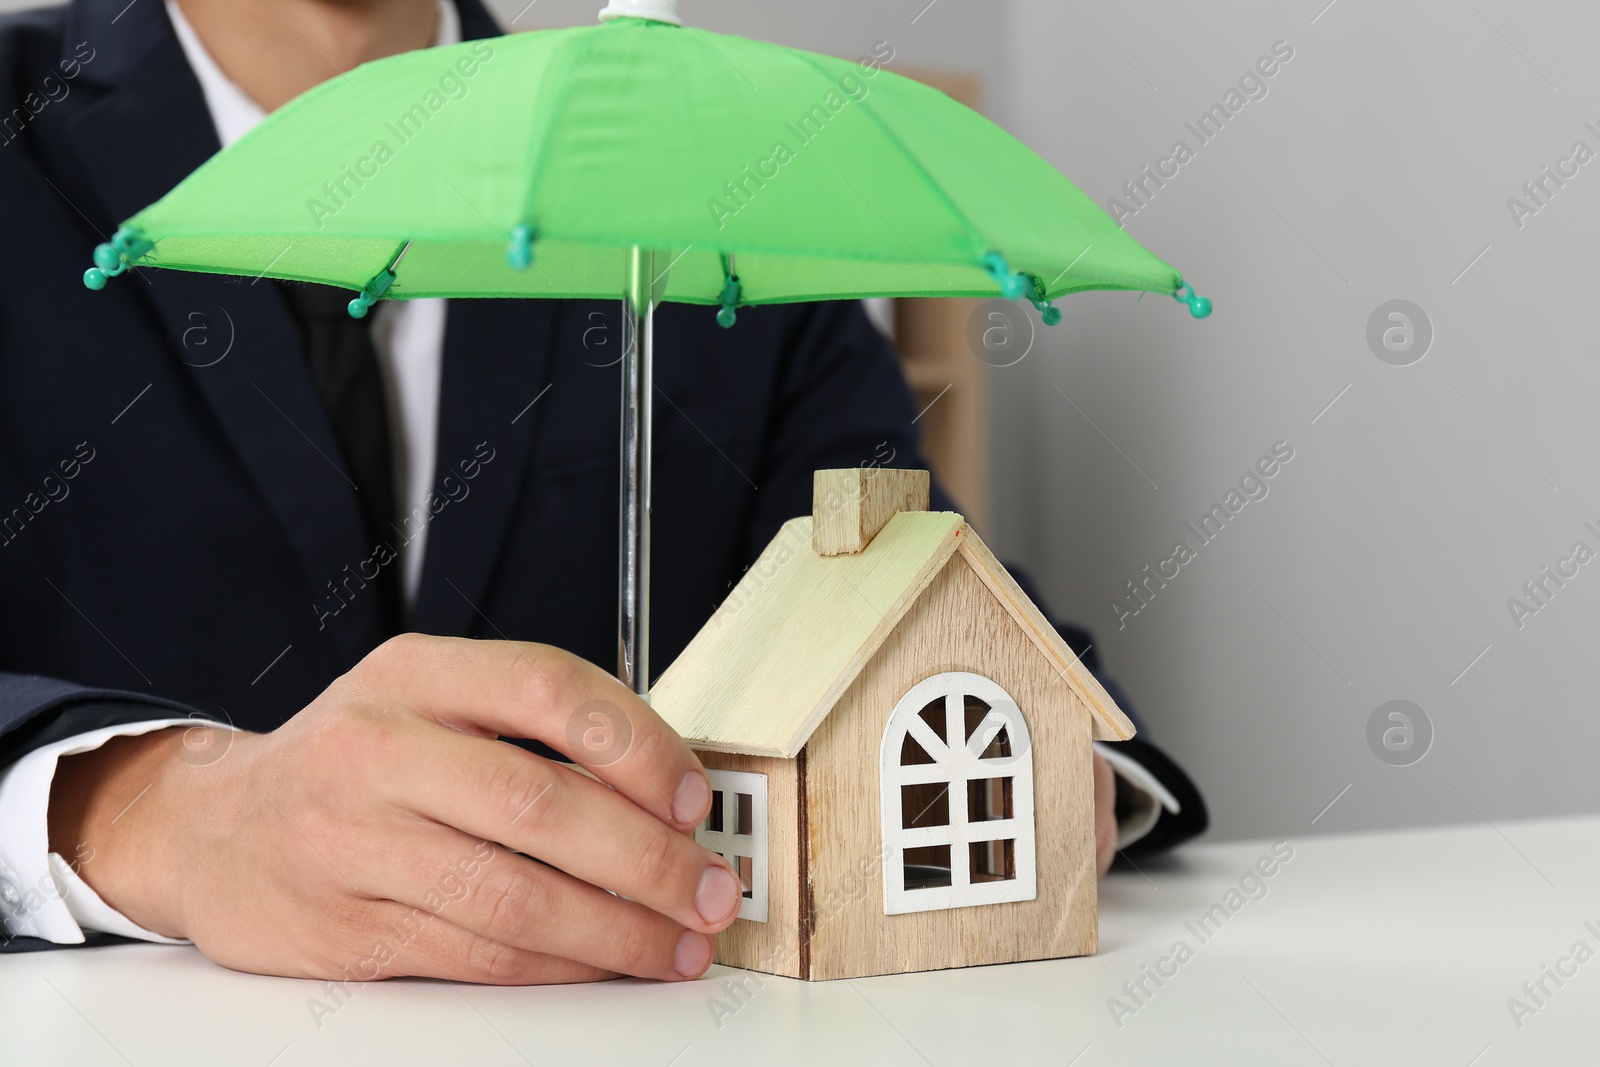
376	832
1105	815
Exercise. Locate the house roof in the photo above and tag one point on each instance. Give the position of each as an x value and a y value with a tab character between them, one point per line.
762	674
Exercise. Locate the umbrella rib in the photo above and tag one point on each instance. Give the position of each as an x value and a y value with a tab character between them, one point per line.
489	223
558	107
712	45
981	241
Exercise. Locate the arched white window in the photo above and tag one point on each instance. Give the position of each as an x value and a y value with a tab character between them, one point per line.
956	780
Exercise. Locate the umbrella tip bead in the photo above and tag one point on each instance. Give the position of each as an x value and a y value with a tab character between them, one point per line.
520	253
1012	284
373	292
731	291
1199	306
1048	312
112	257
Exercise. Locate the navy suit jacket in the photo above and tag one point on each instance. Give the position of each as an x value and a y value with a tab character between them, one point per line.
175	524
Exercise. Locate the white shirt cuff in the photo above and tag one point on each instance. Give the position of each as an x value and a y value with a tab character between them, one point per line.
1148	794
41	894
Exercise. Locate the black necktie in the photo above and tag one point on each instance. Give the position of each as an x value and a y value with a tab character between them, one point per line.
344	366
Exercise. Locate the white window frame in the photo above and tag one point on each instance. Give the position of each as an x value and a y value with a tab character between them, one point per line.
957	764
731	845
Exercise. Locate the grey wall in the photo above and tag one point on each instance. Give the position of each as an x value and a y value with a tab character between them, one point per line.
1379	565
966	34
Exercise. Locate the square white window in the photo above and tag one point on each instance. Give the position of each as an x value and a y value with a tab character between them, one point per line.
736	827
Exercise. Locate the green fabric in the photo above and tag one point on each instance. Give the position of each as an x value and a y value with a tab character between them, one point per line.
848	182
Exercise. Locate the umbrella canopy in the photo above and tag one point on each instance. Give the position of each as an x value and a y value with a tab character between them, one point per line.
765	174
645	159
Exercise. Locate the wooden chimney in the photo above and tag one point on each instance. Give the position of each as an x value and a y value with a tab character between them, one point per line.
850	506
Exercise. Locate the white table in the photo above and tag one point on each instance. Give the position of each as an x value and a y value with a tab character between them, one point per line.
1395	948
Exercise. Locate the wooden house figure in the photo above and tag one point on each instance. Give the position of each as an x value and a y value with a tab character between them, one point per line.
898	744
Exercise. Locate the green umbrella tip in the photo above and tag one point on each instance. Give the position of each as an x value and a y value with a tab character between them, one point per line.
114	256
520	252
726	315
370	294
1012	284
1199	306
1048	312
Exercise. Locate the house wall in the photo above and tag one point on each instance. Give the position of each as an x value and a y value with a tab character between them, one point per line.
775	946
956	625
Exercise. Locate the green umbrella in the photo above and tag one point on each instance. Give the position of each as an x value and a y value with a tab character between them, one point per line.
644	158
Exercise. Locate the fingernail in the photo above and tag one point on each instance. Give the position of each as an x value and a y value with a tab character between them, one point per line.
693	799
718	894
693	954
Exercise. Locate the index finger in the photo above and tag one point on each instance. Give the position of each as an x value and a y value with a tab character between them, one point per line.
539	692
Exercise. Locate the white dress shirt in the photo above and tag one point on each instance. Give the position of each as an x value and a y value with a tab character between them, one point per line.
45	897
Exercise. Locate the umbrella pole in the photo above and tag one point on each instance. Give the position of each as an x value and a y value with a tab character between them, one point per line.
633	577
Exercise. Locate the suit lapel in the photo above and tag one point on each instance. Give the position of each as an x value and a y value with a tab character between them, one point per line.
496	376
148	132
